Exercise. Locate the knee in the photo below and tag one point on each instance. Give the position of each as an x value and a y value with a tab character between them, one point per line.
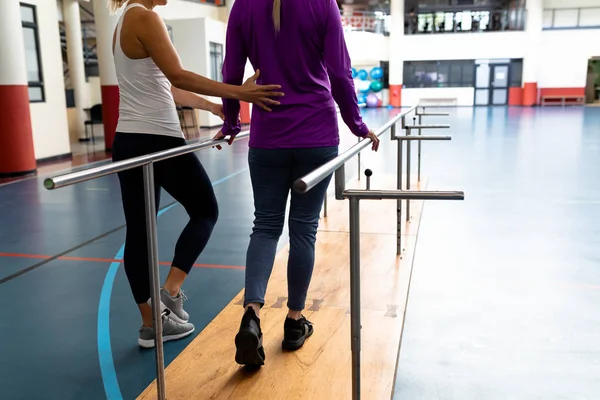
305	229
271	225
207	212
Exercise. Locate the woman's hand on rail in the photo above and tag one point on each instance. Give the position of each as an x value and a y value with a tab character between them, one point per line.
260	95
220	136
371	135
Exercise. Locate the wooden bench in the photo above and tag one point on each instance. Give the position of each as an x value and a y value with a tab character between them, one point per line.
438	101
568	100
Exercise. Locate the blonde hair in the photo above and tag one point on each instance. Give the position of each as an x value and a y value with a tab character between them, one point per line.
277	14
114	5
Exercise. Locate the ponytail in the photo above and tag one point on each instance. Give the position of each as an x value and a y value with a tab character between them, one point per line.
277	14
114	5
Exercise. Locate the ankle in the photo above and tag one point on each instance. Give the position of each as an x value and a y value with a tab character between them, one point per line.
173	290
255	307
295	315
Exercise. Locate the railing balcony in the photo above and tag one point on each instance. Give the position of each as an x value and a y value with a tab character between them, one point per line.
464	21
367	21
571	18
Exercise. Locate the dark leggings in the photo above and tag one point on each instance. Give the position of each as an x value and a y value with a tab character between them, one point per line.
182	177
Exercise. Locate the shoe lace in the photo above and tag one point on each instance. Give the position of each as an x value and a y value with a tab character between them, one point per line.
183	296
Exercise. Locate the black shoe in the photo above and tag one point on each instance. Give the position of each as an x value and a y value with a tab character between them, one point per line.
248	341
295	333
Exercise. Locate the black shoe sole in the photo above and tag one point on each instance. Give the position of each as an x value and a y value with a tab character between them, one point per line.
249	349
292	345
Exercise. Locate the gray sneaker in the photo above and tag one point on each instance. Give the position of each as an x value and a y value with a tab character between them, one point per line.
175	305
172	330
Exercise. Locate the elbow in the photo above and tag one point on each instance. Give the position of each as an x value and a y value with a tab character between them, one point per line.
177	79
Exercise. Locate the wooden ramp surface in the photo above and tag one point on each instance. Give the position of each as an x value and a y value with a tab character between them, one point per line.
322	368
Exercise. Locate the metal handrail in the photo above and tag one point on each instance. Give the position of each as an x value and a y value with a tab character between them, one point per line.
72	178
309	181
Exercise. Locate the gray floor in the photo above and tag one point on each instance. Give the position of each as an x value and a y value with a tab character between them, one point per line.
505	296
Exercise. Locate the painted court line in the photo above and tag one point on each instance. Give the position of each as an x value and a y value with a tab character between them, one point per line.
109	260
107	365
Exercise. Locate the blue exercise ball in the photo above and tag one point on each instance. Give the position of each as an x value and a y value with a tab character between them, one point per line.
363	75
377	73
354	73
362	99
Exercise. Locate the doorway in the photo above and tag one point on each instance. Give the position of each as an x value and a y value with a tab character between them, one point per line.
491	84
592	86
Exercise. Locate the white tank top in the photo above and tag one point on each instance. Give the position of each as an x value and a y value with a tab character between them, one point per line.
146	102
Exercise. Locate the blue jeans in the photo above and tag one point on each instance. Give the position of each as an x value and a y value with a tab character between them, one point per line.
273	171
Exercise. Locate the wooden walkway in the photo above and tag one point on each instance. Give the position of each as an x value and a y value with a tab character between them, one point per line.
322	368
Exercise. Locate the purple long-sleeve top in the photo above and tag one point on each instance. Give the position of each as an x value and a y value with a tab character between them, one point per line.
308	57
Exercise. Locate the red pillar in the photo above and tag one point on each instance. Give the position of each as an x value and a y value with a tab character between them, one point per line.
17	155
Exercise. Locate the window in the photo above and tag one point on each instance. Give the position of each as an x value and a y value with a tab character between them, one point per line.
216	61
516	72
33	63
455	73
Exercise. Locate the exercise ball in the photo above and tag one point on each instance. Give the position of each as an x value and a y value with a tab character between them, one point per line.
361	99
354	73
363	75
373	100
376	86
377	73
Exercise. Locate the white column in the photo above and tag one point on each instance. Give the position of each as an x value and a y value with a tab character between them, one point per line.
71	17
533	28
105	29
396	72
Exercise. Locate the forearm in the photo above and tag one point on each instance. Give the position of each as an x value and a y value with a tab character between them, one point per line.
189	99
195	83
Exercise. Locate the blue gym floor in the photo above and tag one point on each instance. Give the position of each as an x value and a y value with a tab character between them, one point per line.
505	292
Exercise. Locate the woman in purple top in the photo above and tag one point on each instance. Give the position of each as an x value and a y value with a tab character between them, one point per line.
300	45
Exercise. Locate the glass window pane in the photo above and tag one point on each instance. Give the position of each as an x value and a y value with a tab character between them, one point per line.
468	74
31	55
27	14
35	94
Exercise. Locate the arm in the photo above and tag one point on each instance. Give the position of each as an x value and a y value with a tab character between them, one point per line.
193	100
233	70
339	70
152	33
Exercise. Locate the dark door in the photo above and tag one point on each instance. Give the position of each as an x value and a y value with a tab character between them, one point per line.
499	81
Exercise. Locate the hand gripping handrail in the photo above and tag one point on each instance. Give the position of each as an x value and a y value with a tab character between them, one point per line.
309	181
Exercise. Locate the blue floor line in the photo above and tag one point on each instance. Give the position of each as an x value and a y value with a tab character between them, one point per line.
107	365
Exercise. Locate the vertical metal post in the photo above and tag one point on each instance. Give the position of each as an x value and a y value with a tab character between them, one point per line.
325	206
419	152
408	171
340	182
359	163
152	239
355	326
399	203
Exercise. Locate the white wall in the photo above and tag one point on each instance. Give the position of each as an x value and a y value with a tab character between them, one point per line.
571	3
563	57
467	46
191	38
463	96
49	119
181	9
367	48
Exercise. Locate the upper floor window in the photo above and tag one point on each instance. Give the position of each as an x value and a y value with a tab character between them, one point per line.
33	61
216	61
451	73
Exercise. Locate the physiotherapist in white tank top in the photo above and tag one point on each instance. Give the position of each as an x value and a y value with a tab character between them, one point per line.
151	79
